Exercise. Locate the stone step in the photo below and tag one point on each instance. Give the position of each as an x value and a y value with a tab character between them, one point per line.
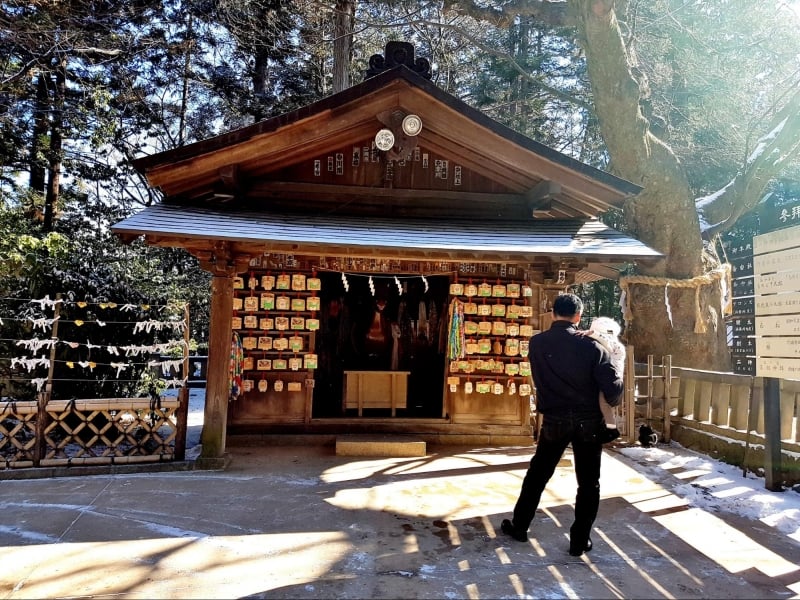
380	445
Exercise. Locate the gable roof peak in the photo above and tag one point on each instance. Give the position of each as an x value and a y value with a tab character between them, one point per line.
398	53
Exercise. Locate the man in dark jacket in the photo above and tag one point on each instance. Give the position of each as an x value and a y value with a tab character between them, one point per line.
569	370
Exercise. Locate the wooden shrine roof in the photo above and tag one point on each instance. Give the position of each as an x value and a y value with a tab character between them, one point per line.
312	181
447	239
321	158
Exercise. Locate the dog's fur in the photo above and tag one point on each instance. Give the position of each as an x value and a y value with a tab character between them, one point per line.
647	436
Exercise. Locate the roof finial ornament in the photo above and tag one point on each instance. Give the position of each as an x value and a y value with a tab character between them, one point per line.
398	53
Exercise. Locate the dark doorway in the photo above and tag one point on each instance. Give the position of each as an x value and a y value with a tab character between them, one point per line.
382	327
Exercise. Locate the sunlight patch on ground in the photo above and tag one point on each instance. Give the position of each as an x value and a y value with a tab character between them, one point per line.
171	567
724	544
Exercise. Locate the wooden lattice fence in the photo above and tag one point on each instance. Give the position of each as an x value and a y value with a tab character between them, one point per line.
96	431
52	432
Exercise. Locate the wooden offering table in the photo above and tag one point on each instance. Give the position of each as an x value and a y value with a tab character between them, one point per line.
375	389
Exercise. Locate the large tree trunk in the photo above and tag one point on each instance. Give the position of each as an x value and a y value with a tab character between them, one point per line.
343	43
40	121
187	69
260	83
675	307
56	146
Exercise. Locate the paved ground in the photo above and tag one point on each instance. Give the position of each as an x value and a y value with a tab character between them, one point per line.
301	522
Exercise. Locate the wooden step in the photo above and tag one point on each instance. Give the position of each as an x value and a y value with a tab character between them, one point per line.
380	445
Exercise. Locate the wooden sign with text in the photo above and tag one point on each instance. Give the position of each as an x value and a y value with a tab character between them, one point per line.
776	287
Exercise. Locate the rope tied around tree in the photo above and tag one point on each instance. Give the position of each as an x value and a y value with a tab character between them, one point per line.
721	274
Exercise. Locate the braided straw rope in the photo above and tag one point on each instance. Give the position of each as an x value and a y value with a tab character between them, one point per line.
721	273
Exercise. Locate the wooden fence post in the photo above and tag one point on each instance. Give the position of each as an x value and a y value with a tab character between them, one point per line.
629	395
182	413
648	414
772	434
40	446
667	373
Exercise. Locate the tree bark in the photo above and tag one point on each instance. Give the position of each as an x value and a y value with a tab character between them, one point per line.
40	120
260	81
675	309
56	146
187	67
343	43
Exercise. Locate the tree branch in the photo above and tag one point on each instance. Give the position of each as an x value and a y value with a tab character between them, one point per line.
91	52
773	151
553	13
550	13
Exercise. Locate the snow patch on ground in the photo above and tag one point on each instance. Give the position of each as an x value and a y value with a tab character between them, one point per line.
718	487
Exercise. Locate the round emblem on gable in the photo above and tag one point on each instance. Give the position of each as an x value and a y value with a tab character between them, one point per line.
412	125
384	139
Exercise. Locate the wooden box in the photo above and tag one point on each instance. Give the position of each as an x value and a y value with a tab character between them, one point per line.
375	389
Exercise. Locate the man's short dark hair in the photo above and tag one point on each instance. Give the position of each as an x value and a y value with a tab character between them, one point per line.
567	305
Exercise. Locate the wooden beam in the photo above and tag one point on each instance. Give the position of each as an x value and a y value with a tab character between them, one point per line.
540	196
320	133
260	157
244	250
229	175
284	188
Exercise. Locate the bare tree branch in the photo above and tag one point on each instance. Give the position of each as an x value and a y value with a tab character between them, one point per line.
553	13
772	153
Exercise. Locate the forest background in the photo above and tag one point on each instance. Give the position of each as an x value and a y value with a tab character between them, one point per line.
697	101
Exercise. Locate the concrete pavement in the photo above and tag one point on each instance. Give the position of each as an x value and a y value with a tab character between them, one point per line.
301	522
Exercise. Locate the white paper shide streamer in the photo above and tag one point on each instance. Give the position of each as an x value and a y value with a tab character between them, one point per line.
667	306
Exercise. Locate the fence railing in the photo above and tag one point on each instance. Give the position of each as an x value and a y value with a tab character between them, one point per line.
721	412
85	432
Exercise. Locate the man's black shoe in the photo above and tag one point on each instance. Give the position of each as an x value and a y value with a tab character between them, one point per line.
508	528
576	550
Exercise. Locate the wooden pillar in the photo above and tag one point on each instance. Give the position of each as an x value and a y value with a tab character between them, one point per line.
223	266
215	418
